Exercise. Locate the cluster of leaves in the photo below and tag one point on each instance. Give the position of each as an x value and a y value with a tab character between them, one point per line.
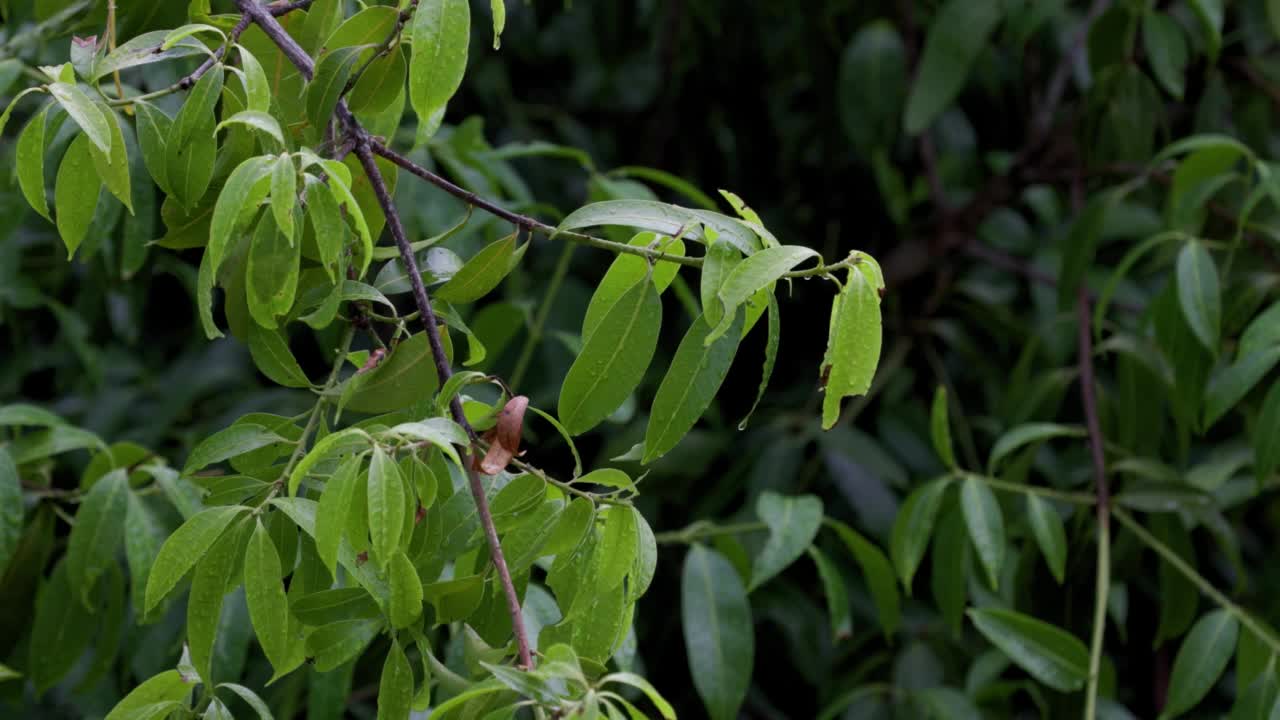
401	535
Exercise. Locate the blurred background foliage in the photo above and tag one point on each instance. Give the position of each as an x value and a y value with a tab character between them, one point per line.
796	107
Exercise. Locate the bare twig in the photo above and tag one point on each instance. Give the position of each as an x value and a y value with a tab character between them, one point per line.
1043	119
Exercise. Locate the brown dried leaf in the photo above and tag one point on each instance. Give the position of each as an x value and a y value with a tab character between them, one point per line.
504	438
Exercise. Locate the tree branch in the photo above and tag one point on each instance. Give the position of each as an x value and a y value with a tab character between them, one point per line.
363	150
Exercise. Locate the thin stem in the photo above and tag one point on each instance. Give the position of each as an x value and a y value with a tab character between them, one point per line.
1088	397
703	529
540	320
1050	493
1175	561
534	225
188	81
567	487
111	42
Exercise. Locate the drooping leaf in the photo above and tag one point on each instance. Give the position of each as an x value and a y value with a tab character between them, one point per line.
691	383
754	273
168	686
612	361
1199	295
271	354
96	536
185	547
1050	654
406	591
213	577
793	524
985	522
325	89
264	593
836	593
441	32
718	633
1046	526
1200	661
228	443
940	428
948	55
11	510
386	505
334	508
878	573
913	527
29	158
853	344
84	113
75	193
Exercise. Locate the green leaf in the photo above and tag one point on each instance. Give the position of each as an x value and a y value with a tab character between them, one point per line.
770	357
113	168
271	275
1229	386
189	166
1201	660
1026	434
84	113
264	594
878	573
618	546
440	33
940	428
228	443
334	508
1266	451
755	273
168	686
8	110
215	574
239	192
326	220
405	376
691	383
574	522
184	548
29	157
1048	653
499	9
719	635
406	591
947	58
913	526
197	112
853	344
482	273
272	356
949	566
1046	526
719	262
337	643
60	631
639	683
257	89
986	525
11	510
395	689
836	593
1210	14
625	272
871	87
793	524
1199	295
325	89
613	360
348	440
440	432
386	505
1166	49
335	605
96	536
143	537
75	193
256	120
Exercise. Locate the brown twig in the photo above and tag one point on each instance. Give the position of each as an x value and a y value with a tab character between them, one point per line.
1043	119
363	149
